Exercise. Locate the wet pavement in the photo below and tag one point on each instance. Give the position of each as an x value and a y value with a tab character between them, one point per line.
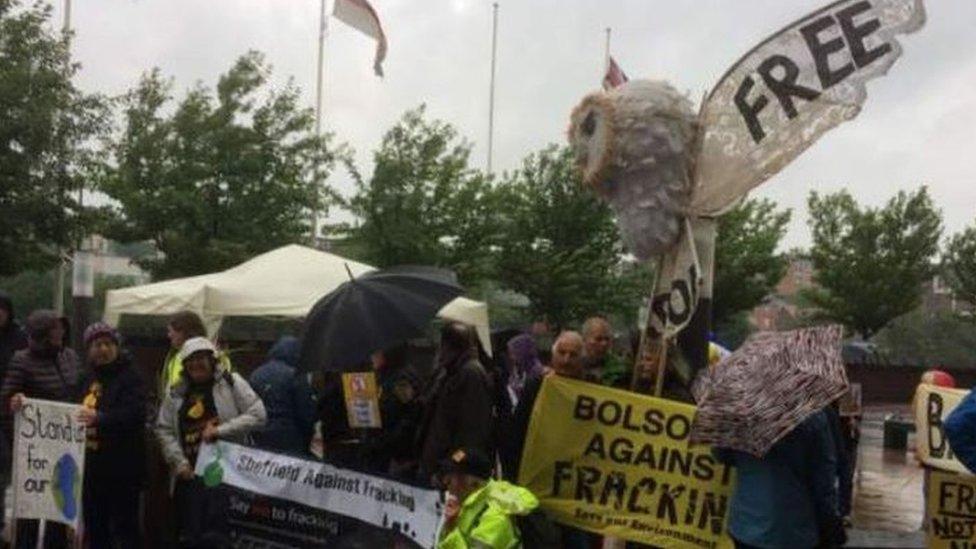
888	492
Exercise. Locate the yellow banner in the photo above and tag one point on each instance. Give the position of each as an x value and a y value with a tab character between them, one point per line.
932	406
618	463
951	504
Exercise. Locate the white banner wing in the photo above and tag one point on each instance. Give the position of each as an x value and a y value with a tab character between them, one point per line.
791	89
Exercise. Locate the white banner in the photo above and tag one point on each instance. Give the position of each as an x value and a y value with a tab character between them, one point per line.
791	89
48	462
414	512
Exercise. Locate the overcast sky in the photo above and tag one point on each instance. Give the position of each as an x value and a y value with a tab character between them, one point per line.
918	126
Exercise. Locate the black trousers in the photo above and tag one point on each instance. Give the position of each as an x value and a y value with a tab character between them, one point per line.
202	515
112	513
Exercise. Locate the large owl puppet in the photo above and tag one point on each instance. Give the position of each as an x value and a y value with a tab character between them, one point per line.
668	172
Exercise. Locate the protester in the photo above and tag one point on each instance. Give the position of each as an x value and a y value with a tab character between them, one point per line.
459	403
845	459
567	361
114	413
287	398
480	511
601	364
208	403
46	370
12	339
391	450
787	498
182	326
160	515
960	429
523	366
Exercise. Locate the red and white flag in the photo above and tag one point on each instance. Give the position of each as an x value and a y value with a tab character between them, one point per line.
360	15
614	77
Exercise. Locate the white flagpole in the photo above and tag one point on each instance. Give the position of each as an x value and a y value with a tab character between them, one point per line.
320	69
491	89
323	23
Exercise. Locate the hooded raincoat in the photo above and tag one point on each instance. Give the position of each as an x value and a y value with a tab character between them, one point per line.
487	518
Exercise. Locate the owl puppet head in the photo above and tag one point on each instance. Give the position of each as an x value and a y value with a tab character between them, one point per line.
634	146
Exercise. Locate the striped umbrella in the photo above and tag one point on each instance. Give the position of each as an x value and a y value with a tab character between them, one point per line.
767	387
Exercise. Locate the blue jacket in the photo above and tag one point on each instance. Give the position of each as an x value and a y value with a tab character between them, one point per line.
288	399
788	498
960	429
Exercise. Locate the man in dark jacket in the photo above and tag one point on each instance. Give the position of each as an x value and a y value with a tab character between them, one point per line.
459	405
12	339
391	449
47	370
288	399
115	457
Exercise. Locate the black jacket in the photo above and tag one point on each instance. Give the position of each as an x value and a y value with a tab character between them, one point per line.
121	423
459	415
512	446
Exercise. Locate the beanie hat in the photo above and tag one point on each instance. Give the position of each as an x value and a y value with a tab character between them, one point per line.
100	329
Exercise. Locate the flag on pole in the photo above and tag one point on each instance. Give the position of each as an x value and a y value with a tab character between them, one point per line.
615	76
360	15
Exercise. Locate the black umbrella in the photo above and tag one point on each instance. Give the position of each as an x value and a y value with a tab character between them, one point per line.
372	312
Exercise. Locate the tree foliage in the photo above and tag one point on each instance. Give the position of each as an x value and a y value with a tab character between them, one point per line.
747	265
960	264
561	248
226	174
871	262
47	129
424	204
930	340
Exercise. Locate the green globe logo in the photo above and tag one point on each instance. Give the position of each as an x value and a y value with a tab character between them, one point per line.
66	486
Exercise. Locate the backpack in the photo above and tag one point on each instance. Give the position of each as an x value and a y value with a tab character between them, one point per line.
536	531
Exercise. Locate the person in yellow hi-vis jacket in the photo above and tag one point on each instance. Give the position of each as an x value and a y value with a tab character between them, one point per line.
182	326
481	512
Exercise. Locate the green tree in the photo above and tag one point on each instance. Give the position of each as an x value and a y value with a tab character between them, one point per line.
929	340
47	130
561	248
871	263
960	264
423	204
229	173
747	266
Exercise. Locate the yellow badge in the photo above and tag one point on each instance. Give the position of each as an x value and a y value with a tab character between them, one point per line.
196	411
91	399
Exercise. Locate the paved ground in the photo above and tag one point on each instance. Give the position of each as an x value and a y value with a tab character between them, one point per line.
888	501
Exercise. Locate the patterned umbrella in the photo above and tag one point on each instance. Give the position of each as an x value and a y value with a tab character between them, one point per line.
767	387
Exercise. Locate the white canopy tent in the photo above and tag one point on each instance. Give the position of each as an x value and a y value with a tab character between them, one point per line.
285	282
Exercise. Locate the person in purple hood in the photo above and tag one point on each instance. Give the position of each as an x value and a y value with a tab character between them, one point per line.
523	365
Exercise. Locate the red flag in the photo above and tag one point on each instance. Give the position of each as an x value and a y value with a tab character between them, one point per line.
360	15
614	77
